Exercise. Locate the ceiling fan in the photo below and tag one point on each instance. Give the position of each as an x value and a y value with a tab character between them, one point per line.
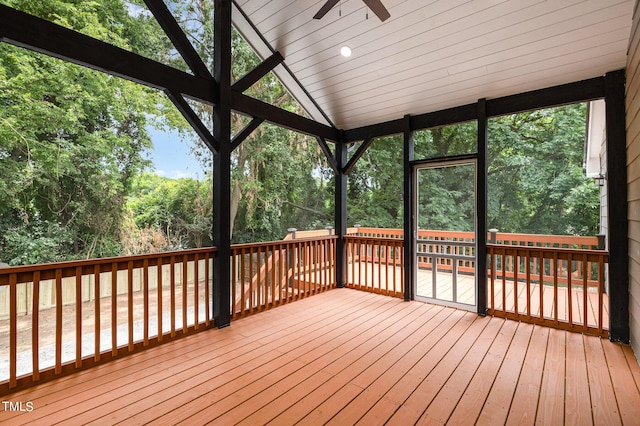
376	7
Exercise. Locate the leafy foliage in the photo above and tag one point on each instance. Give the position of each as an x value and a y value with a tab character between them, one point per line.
71	141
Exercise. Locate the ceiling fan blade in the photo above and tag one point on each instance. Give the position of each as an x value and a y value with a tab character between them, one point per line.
378	8
325	8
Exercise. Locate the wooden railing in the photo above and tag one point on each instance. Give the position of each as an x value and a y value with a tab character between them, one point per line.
82	313
265	275
375	264
559	287
87	312
571	270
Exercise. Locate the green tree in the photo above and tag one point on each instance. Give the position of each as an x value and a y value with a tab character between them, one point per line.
71	140
536	182
178	208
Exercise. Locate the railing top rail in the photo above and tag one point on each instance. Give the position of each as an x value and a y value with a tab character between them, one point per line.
236	247
447	243
500	236
544	238
394	241
507	249
104	260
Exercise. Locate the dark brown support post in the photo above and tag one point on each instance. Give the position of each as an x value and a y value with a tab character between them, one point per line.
481	207
409	209
617	205
222	165
341	212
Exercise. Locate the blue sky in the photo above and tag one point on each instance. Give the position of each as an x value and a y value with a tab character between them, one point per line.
171	156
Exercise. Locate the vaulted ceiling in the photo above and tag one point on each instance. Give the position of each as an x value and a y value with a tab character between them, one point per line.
431	54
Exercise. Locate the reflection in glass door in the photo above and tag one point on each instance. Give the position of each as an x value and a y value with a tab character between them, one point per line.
446	233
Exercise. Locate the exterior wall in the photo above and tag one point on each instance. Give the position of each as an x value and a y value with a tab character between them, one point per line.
633	182
604	208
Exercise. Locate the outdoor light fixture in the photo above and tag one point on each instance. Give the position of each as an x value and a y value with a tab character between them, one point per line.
600	179
345	51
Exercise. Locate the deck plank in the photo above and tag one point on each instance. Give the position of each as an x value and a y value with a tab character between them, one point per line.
303	390
193	390
525	399
623	383
448	397
603	400
346	356
344	371
577	398
470	405
496	407
551	400
419	399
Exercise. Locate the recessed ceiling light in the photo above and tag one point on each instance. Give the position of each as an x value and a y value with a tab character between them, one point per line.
345	51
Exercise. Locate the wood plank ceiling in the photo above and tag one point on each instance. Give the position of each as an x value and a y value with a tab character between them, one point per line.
432	54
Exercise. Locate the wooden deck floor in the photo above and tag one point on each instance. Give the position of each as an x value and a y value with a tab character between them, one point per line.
346	357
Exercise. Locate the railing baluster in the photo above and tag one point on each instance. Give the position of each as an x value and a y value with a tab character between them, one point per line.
252	290
58	367
78	316
159	289
243	293
600	292
130	318
207	320
114	308
402	260
555	287
527	259
274	258
541	284
185	290
196	296
234	283
585	290
145	285
172	283
35	327
96	325
516	265
281	272
503	263
13	330
492	278
569	289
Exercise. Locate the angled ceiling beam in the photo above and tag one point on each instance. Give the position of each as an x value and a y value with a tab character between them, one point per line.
24	30
255	108
258	72
245	132
327	153
359	153
195	122
54	40
178	38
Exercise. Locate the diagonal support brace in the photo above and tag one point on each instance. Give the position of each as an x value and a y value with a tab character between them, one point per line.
327	152
359	153
257	73
245	132
193	119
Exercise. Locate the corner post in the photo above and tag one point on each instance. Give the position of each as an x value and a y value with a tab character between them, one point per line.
481	207
341	212
617	206
409	208
222	165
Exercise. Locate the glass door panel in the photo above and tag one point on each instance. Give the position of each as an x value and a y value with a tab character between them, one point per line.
446	233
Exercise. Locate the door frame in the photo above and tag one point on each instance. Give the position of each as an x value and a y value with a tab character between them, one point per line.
441	162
